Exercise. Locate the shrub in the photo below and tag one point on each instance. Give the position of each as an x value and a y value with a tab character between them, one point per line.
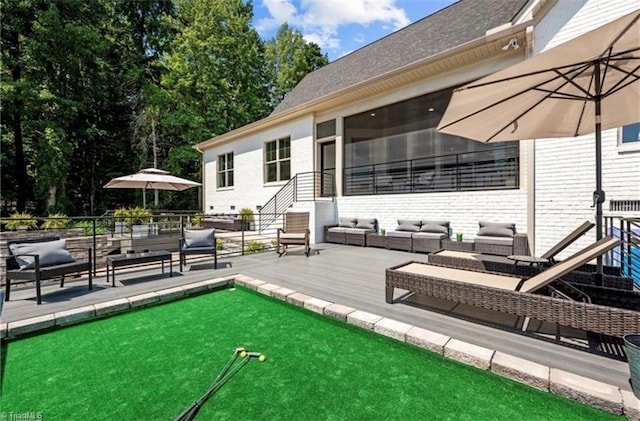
132	216
196	219
121	214
246	214
56	221
219	243
140	215
254	247
21	219
87	226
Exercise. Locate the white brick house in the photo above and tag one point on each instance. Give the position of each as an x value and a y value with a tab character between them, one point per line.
374	111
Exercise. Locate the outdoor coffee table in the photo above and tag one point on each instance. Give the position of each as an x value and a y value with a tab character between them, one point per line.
134	259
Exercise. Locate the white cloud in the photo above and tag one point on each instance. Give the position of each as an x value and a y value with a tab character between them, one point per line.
321	20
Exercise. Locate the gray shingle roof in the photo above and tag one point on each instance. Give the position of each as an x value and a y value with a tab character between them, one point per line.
448	28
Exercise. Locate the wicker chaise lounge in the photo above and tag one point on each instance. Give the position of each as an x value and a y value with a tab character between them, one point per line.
509	265
515	295
565	242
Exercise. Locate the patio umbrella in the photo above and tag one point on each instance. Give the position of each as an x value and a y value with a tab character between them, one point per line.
585	85
151	178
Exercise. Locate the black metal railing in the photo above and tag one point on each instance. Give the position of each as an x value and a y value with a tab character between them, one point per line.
303	187
106	235
455	172
627	256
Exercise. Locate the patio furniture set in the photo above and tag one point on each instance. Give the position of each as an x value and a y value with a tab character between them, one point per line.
496	271
36	260
427	236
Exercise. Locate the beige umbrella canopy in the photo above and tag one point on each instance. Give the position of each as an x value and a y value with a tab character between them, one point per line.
585	85
151	178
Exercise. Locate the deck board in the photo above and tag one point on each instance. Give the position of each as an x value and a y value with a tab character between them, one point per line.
348	275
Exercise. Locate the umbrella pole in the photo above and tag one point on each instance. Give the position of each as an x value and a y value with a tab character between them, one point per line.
598	194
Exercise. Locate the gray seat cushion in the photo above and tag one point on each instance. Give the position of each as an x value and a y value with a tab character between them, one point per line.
367	223
199	238
503	241
338	229
358	230
50	253
412	225
497	229
430	235
441	227
400	234
347	222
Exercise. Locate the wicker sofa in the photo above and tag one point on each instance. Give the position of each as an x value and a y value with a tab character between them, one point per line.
352	231
225	222
418	235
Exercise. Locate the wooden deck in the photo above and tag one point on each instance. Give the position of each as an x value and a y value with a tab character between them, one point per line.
353	276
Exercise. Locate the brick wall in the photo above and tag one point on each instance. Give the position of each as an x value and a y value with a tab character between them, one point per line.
565	168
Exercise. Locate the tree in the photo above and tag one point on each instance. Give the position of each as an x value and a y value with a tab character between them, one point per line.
17	27
72	72
216	71
289	59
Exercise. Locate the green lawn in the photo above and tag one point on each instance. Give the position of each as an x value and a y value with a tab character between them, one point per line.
151	364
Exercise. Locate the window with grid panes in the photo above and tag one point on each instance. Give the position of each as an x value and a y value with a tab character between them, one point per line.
225	170
277	160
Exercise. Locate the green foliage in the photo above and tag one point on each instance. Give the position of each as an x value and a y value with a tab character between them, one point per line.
219	243
247	214
56	221
19	220
132	216
92	90
52	166
254	247
120	214
140	215
196	219
289	58
87	226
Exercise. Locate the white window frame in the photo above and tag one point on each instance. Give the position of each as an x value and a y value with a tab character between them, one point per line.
279	159
633	145
223	173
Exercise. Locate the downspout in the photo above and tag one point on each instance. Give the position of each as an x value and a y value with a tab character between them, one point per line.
201	189
531	165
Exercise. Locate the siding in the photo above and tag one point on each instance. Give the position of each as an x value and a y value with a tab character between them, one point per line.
249	190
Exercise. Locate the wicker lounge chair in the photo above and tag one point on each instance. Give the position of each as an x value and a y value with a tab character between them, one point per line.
550	255
515	295
509	265
295	232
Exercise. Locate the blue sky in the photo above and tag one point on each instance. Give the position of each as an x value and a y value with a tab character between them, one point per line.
341	26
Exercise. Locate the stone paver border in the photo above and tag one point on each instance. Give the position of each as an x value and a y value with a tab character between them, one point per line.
598	394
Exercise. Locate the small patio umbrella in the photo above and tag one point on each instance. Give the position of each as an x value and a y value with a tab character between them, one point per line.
151	178
585	85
